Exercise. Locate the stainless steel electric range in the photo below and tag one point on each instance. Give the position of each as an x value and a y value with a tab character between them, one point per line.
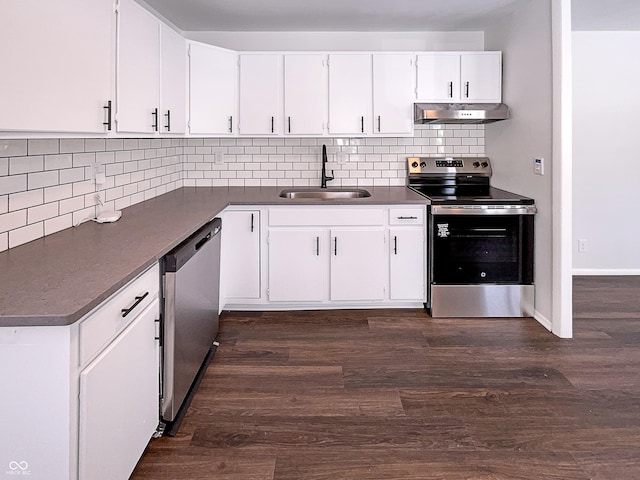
481	240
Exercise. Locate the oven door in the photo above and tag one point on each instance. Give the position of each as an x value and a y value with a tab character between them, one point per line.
481	248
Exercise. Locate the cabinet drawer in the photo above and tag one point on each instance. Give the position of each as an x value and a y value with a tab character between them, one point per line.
406	216
104	323
338	216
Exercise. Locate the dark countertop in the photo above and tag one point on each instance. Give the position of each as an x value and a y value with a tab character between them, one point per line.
57	279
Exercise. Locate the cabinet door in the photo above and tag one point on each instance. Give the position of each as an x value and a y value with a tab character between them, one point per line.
296	265
407	263
392	93
173	81
260	94
350	100
119	394
481	77
56	65
357	264
241	254
305	94
138	69
213	77
438	77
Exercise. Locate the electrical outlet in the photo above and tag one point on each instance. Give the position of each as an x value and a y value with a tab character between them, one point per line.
583	246
538	166
218	158
97	173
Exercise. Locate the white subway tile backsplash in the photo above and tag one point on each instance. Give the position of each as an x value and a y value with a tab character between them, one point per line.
12	184
20	200
18	165
42	179
41	146
56	224
51	189
13	148
26	234
95	145
42	212
57	162
71	145
13	220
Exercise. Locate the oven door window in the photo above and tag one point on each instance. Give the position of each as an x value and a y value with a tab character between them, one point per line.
478	249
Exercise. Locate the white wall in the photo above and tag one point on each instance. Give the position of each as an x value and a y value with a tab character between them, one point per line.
606	103
525	39
341	41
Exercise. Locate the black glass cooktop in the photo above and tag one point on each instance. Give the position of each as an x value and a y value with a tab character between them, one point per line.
469	195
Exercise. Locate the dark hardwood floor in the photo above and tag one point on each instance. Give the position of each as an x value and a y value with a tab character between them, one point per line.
395	394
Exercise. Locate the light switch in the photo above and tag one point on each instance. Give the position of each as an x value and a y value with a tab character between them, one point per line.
538	166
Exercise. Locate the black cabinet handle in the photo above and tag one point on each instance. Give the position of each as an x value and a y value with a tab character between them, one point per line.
272	128
252	222
155	119
450	89
231	124
127	311
107	107
466	90
289	122
407	218
317	246
378	123
335	246
362	124
168	125
395	245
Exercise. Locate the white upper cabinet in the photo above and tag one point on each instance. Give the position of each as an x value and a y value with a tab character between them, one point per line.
481	77
213	86
138	70
438	76
474	77
56	65
392	93
260	94
305	94
173	81
350	100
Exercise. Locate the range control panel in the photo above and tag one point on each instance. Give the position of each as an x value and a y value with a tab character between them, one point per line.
449	166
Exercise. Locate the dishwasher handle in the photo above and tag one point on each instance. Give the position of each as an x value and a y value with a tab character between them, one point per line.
179	256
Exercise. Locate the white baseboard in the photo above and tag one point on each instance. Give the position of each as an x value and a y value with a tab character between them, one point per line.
542	320
605	271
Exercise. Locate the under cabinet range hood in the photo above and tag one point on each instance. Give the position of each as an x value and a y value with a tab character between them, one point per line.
460	112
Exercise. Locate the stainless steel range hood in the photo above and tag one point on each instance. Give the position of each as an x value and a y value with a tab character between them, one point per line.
460	112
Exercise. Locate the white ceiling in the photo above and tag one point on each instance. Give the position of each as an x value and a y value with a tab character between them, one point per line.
331	15
376	15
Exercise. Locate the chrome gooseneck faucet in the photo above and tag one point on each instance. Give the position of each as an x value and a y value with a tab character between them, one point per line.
325	178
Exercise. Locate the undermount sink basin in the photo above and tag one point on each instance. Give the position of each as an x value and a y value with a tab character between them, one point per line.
324	193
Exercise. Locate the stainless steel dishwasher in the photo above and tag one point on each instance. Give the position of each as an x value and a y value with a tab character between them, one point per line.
191	284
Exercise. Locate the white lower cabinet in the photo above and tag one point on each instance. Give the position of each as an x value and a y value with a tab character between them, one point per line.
340	256
407	253
119	401
297	265
240	255
82	399
357	264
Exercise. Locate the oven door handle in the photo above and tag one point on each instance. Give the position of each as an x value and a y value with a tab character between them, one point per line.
483	210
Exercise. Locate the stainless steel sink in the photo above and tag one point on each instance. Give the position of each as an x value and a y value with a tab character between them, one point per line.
324	193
